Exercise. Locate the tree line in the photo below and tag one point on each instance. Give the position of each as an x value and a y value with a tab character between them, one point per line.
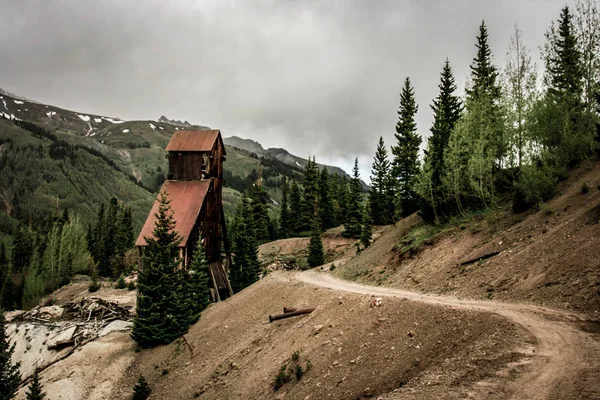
509	135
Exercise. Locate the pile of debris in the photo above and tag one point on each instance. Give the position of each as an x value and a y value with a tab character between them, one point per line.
45	335
283	265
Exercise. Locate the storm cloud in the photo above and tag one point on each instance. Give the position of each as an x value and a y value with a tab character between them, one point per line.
315	77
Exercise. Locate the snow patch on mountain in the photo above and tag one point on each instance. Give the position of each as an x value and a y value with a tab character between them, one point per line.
98	120
152	126
114	121
125	130
19	102
85	118
50	113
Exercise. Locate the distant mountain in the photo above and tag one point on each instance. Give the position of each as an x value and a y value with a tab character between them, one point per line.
279	154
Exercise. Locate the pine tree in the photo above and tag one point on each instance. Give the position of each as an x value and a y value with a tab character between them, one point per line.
23	247
315	248
381	193
406	151
9	373
160	315
295	207
366	235
568	132
284	216
260	213
342	196
198	289
246	268
447	108
352	227
310	199
141	390
326	212
35	388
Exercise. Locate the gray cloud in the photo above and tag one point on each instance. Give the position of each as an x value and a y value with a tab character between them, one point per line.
316	77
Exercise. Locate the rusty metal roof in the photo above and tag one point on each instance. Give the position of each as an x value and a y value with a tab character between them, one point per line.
186	199
193	140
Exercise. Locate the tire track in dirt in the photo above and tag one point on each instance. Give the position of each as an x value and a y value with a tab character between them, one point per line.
565	363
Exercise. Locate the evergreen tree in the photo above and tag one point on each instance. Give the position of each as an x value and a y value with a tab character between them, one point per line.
352	227
23	247
310	199
326	212
340	185
406	151
381	193
567	132
366	235
160	315
198	287
246	268
284	216
447	108
260	214
9	373
587	26
141	390
35	388
295	207
315	248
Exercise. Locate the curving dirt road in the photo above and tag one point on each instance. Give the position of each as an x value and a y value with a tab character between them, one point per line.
566	362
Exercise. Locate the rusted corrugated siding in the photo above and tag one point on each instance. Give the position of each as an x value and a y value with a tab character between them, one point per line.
186	199
193	140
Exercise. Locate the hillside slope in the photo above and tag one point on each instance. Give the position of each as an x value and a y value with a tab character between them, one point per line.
550	256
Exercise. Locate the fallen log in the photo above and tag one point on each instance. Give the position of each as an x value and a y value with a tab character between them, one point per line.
291	314
483	257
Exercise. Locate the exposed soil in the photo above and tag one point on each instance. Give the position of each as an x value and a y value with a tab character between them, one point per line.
548	257
356	350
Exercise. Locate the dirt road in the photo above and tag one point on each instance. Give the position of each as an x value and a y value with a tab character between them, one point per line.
565	362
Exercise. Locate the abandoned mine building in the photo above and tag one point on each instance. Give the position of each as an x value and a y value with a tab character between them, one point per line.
194	188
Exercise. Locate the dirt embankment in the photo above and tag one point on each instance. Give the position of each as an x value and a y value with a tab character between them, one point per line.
356	350
549	257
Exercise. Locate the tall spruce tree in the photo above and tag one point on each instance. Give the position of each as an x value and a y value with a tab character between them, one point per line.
366	234
310	199
381	192
568	132
326	212
352	227
485	91
246	268
315	248
295	208
35	391
447	108
9	372
284	216
161	311
260	213
197	290
405	165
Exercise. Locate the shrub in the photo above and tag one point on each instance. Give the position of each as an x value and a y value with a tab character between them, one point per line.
298	371
141	390
131	285
585	188
121	282
281	378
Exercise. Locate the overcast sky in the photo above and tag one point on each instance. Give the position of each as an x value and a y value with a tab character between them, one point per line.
315	77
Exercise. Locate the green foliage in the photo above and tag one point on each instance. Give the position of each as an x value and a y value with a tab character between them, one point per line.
381	195
315	249
285	227
121	282
325	202
281	378
131	285
366	235
111	237
141	390
9	372
198	284
35	391
289	369
406	152
295	206
95	285
161	310
246	268
585	188
309	208
352	226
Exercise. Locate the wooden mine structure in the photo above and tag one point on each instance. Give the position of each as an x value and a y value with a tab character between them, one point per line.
194	188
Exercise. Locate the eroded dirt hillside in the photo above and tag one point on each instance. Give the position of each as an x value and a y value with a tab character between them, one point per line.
550	256
356	349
